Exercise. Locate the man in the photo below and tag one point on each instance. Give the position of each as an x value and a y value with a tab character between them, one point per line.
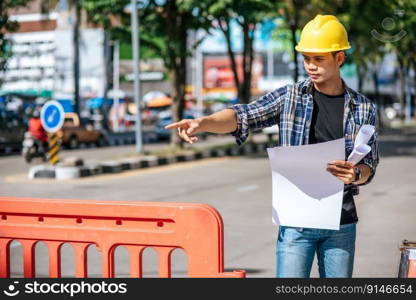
318	109
37	131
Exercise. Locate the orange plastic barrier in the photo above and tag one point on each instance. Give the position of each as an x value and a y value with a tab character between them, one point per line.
195	228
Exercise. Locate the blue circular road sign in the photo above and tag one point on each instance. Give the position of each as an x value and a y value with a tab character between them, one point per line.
52	116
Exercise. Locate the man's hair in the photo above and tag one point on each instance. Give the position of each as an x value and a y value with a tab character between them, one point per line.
345	56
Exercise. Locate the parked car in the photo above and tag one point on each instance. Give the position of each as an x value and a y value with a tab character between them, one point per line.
12	130
76	131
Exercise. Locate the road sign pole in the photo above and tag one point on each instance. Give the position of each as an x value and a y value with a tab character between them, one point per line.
54	147
116	84
52	118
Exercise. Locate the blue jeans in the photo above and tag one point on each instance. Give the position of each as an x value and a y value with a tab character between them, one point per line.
296	249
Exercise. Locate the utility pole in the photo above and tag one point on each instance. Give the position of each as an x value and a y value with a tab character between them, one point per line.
136	68
408	110
116	85
75	40
199	76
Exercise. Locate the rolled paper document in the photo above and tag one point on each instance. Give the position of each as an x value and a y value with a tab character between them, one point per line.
358	153
364	135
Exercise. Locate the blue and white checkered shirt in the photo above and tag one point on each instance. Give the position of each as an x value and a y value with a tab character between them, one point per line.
290	107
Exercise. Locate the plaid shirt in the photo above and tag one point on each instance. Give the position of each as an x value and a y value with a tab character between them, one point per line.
290	107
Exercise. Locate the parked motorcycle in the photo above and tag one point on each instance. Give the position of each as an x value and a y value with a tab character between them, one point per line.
33	148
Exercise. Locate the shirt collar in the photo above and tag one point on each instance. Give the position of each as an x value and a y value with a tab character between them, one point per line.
306	87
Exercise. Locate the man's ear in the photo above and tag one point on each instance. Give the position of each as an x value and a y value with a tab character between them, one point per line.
341	57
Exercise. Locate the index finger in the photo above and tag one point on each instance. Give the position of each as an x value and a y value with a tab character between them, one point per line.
341	163
174	125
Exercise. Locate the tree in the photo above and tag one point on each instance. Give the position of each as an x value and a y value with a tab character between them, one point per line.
115	21
403	45
366	52
101	12
171	21
247	14
76	62
376	28
108	16
292	11
7	26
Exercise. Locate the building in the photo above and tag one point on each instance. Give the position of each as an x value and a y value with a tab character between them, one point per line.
43	53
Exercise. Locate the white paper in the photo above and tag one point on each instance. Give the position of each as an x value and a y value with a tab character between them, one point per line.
358	154
364	135
361	149
305	194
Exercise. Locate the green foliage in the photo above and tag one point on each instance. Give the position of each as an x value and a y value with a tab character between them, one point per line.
405	17
249	11
164	25
283	36
101	11
6	25
360	17
248	14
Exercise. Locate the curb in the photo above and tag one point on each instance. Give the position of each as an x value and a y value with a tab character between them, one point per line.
41	171
91	170
112	166
64	172
74	167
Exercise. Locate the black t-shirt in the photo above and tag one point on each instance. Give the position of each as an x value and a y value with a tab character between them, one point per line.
327	125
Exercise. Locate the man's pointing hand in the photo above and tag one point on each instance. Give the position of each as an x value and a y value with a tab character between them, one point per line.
187	128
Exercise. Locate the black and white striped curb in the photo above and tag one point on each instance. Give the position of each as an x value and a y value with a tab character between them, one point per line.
75	167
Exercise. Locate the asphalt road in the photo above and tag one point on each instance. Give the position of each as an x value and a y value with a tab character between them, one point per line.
240	189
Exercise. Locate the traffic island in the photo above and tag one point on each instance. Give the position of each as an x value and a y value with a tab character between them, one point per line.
64	172
41	171
74	167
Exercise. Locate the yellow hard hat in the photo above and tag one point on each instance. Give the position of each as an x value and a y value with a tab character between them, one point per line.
323	34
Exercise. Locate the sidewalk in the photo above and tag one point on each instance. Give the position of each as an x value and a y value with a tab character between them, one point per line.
115	152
